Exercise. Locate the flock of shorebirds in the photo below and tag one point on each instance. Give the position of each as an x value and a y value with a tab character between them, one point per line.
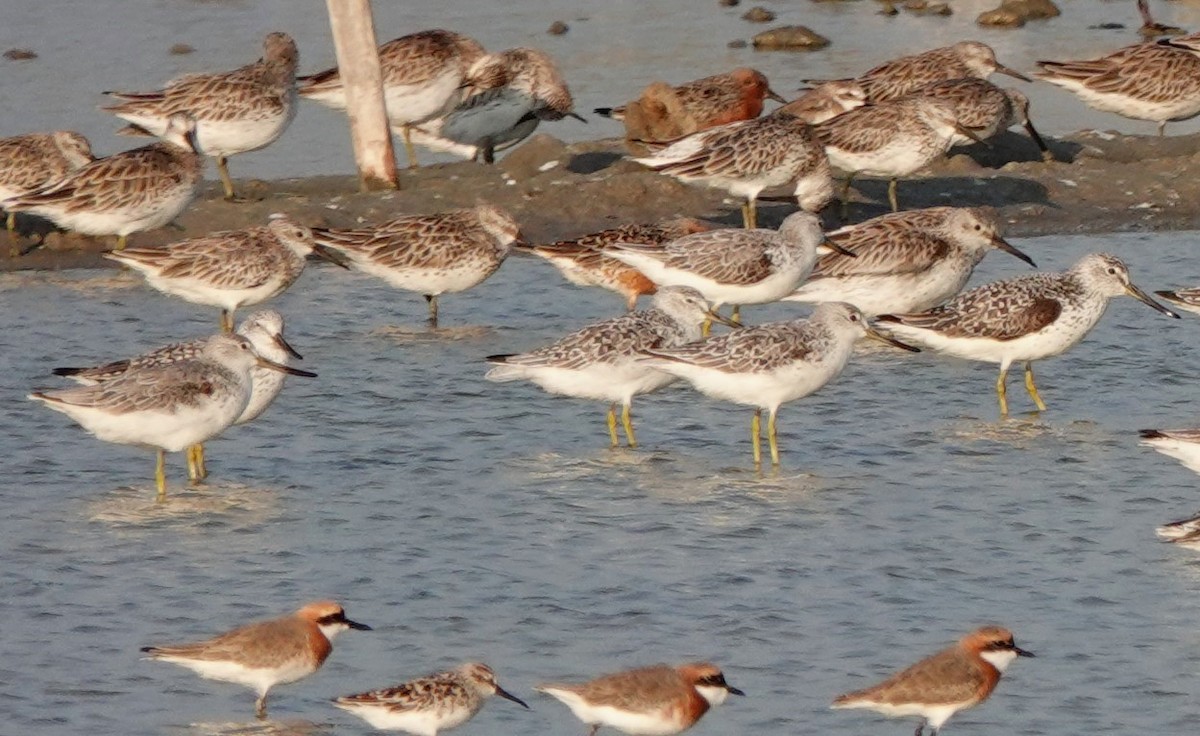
896	278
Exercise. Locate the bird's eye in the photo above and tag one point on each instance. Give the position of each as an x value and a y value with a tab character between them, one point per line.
978	227
854	318
1112	271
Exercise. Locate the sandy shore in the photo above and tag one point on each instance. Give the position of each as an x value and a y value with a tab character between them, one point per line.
1101	182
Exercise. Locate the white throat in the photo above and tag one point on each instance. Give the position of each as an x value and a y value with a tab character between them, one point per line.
332	630
714	695
1000	658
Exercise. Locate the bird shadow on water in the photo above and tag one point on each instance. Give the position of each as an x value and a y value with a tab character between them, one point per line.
129	508
412	334
292	727
1017	429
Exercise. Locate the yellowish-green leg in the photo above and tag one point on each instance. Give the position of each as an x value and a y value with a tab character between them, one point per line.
612	425
736	314
771	439
160	475
1031	387
11	223
1002	391
196	460
627	423
706	327
433	309
226	182
756	436
749	214
892	196
846	196
411	151
190	455
121	240
226	321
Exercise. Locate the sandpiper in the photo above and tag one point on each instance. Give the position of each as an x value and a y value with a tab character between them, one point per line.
582	263
508	94
238	111
230	269
423	77
899	77
747	157
1023	319
959	677
766	366
264	330
734	266
1181	444
1159	82
429	704
444	253
905	261
826	101
172	406
265	654
985	109
124	193
602	361
31	161
893	139
660	700
716	100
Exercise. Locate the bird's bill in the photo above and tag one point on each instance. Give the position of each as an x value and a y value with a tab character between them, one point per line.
326	253
286	347
1001	69
1047	155
773	95
828	246
1023	652
1010	249
715	316
354	624
875	334
509	696
272	365
964	130
581	119
1144	298
734	691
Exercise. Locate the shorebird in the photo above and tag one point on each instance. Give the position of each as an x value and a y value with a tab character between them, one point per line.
1159	82
582	263
747	157
264	330
959	677
230	269
1181	444
716	100
766	366
1185	532
602	361
1186	299
899	77
826	101
124	193
734	266
507	94
265	654
169	407
444	253
429	704
985	109
905	261
1023	319
31	161
892	139
660	700
423	76
238	111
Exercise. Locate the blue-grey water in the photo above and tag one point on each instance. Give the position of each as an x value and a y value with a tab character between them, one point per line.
612	50
468	520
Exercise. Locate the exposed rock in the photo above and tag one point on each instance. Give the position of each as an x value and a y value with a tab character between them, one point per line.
737	43
558	28
1014	13
729	3
924	7
758	14
799	38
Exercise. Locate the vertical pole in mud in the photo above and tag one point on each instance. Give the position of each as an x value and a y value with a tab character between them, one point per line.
358	64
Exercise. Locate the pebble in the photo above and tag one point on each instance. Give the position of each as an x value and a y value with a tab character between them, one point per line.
758	14
729	3
558	28
790	37
20	54
1014	13
737	43
182	49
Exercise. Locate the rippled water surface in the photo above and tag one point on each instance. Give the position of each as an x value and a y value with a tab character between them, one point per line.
612	50
466	520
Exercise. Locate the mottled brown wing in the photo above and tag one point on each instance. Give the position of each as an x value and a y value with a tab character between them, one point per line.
751	349
116	181
1004	310
228	260
729	256
622	336
222	97
1174	73
745	148
423	694
158	388
172	353
862	129
885	249
946	677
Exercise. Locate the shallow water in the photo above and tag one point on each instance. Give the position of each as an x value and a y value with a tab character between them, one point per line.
468	520
612	50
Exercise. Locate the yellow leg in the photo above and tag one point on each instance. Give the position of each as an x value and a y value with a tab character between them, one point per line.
1031	387
627	422
706	327
411	151
226	182
612	425
121	240
226	321
11	223
1002	391
892	196
756	436
736	314
160	475
771	439
749	215
190	455
196	460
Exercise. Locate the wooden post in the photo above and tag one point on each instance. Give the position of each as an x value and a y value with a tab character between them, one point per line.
358	64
